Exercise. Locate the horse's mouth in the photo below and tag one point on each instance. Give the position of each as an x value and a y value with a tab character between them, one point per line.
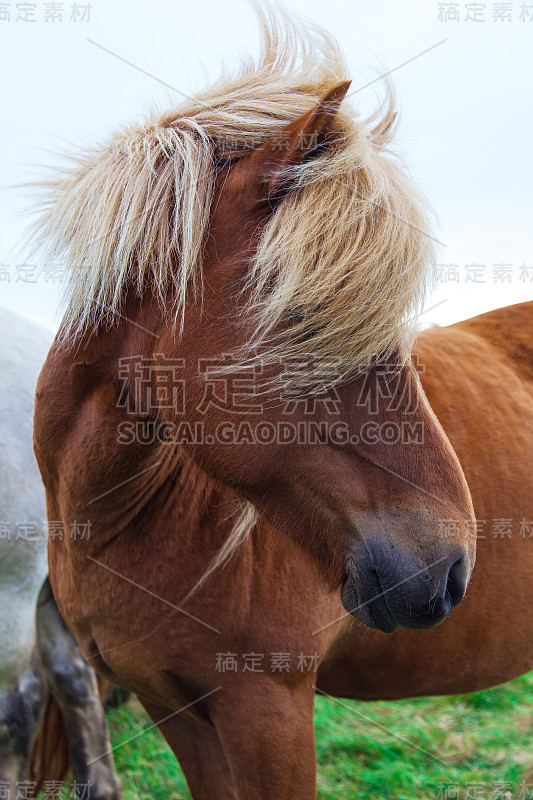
372	611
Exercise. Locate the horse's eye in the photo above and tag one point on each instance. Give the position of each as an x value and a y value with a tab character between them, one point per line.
307	331
297	317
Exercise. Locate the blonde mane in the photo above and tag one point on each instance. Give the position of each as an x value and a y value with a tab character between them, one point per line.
341	266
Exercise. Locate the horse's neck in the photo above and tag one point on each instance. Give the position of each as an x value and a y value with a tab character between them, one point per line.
157	518
172	507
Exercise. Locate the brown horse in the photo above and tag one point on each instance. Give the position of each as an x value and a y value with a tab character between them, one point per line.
243	270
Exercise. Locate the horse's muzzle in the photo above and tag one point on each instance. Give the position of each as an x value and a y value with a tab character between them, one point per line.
386	588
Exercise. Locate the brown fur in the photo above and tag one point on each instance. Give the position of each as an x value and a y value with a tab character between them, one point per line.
273	596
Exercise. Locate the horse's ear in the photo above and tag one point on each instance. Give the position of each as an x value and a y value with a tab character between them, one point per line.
295	143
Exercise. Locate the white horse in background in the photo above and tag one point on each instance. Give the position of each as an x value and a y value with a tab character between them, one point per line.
48	693
23	564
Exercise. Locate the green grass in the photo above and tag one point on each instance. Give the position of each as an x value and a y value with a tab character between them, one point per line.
384	751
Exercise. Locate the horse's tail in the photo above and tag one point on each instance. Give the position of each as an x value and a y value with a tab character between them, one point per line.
50	759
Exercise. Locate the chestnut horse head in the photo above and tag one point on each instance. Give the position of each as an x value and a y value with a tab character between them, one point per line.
261	246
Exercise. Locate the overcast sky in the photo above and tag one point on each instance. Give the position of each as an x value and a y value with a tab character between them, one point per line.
465	100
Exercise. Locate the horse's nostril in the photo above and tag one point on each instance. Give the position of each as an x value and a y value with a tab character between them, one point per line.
456	583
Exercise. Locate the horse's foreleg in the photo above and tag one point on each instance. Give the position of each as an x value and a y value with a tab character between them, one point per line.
267	733
73	684
199	752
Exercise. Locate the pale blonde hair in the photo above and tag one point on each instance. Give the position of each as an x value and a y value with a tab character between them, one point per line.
344	257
